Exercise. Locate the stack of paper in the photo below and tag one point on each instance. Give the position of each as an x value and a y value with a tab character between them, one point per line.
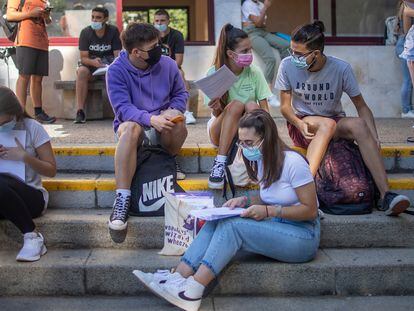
14	168
197	199
216	213
218	83
100	71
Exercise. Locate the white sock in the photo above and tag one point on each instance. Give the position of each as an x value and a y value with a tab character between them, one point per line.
124	192
221	158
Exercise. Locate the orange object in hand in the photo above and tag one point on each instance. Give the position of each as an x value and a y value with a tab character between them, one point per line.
177	119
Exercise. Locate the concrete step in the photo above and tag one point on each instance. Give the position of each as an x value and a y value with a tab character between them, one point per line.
195	158
87	228
153	303
94	190
109	272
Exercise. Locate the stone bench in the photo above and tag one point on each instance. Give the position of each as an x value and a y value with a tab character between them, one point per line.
97	102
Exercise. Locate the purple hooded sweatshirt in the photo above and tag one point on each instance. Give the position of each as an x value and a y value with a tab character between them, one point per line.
136	94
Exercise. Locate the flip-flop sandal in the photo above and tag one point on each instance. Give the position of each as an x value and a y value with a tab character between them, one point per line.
410	139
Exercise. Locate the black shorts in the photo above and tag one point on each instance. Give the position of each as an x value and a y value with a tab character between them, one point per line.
30	61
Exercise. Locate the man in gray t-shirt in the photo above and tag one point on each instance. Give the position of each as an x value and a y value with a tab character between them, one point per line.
318	93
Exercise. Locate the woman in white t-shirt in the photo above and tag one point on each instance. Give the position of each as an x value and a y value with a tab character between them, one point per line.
23	197
281	224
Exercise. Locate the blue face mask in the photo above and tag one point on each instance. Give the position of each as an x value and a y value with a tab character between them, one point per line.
300	61
96	25
9	126
161	27
252	153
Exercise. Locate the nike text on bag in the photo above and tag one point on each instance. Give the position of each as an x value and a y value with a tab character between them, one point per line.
180	228
155	175
10	29
343	182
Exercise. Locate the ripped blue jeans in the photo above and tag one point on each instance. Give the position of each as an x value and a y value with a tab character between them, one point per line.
279	239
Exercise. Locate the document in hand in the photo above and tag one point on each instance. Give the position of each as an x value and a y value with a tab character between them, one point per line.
218	83
216	213
100	71
15	168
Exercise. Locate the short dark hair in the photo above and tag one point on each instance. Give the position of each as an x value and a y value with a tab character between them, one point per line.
162	12
138	33
102	10
312	35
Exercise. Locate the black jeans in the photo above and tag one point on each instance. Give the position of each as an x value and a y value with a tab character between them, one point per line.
20	203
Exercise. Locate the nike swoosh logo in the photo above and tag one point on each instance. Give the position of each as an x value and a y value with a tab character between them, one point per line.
150	208
183	296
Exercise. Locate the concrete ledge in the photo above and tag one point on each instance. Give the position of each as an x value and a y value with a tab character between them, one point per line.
87	228
109	272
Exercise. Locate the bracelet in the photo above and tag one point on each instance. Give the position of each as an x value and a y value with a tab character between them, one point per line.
267	211
248	202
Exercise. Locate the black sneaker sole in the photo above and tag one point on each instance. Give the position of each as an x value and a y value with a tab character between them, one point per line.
79	122
46	122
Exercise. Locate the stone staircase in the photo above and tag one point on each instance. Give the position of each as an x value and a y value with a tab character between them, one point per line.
359	256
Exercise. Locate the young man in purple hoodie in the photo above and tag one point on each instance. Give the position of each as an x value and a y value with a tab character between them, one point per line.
146	91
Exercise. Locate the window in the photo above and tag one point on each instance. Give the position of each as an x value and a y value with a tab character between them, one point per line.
179	18
354	21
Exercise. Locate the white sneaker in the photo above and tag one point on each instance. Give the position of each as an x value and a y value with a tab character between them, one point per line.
189	117
158	278
408	115
183	293
273	101
33	247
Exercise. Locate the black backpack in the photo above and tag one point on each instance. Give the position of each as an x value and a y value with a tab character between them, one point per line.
155	174
10	28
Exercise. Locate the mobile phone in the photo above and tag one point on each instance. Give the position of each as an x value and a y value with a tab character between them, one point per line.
176	119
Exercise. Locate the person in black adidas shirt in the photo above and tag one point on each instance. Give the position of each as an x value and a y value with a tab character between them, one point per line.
99	45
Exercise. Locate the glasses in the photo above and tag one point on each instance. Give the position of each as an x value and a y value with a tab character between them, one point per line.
249	143
299	55
146	51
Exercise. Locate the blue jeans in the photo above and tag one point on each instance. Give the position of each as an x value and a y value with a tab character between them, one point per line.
280	239
407	86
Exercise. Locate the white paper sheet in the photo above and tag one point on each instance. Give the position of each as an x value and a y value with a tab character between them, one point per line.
14	168
216	213
218	83
100	71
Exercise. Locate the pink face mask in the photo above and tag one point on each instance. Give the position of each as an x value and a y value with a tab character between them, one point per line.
244	60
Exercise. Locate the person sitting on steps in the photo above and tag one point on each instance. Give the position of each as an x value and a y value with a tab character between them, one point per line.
99	44
250	92
311	86
23	200
146	91
281	224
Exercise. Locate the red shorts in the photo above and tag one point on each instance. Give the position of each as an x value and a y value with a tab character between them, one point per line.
298	139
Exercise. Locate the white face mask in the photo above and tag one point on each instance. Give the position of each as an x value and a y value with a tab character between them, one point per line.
8	126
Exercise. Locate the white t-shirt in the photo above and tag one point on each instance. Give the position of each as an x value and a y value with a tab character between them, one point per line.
250	7
318	93
36	136
295	173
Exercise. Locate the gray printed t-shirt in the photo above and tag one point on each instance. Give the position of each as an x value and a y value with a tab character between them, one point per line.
318	93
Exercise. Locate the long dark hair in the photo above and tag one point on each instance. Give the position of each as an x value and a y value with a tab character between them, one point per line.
272	147
229	39
312	35
10	104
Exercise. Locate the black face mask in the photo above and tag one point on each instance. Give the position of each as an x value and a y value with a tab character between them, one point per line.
154	55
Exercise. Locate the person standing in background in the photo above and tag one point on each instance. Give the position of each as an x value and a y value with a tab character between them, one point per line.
32	52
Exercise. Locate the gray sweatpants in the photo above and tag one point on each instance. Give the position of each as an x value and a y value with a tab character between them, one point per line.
262	42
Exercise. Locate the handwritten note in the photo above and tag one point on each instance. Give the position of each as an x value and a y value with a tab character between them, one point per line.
216	213
15	168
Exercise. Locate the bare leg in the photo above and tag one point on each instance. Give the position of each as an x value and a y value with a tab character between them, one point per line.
130	135
173	140
21	88
324	129
184	269
357	129
82	78
225	127
204	275
36	91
